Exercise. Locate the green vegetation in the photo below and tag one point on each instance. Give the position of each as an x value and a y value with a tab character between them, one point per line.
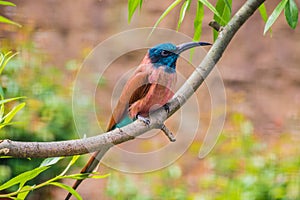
241	166
6	117
23	189
47	116
222	13
4	19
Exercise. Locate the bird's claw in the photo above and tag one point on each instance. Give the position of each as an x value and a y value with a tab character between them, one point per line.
143	119
167	107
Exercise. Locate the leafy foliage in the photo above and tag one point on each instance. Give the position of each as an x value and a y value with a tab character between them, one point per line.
20	186
222	13
4	19
291	13
263	12
166	12
224	8
290	10
184	8
47	115
5	119
241	166
132	6
165	184
273	17
24	188
198	21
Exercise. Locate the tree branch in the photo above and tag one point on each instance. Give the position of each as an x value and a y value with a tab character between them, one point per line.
129	132
215	25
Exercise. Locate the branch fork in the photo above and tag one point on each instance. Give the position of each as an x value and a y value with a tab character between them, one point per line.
168	133
215	25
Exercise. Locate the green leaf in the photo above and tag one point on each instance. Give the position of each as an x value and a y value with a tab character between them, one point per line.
226	11
2	157
185	6
50	161
224	8
291	13
228	4
11	99
8	124
76	176
263	12
212	8
275	14
1	91
2	59
68	188
23	178
8	21
1	111
99	176
198	21
8	117
7	57
74	159
165	13
7	3
141	3
94	175
24	192
132	6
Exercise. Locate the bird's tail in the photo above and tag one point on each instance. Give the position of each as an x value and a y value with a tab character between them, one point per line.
90	166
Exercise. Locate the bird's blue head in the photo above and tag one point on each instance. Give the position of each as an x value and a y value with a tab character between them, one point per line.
166	54
163	55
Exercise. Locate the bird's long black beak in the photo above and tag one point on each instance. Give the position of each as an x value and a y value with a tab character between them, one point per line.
185	46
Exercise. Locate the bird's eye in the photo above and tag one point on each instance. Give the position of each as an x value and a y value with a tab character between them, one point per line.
165	53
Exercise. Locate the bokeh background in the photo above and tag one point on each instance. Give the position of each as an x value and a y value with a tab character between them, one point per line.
257	155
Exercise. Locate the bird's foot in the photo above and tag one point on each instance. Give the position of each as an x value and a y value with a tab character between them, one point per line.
143	119
167	107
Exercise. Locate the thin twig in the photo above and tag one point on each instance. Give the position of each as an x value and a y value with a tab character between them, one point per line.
168	133
215	25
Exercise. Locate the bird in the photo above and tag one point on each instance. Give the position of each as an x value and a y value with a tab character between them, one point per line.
150	87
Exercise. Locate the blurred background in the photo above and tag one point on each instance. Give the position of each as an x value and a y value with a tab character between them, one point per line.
257	155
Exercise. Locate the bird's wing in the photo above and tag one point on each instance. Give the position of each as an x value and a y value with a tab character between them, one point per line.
136	88
130	94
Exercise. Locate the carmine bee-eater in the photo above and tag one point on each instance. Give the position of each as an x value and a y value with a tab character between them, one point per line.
150	87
